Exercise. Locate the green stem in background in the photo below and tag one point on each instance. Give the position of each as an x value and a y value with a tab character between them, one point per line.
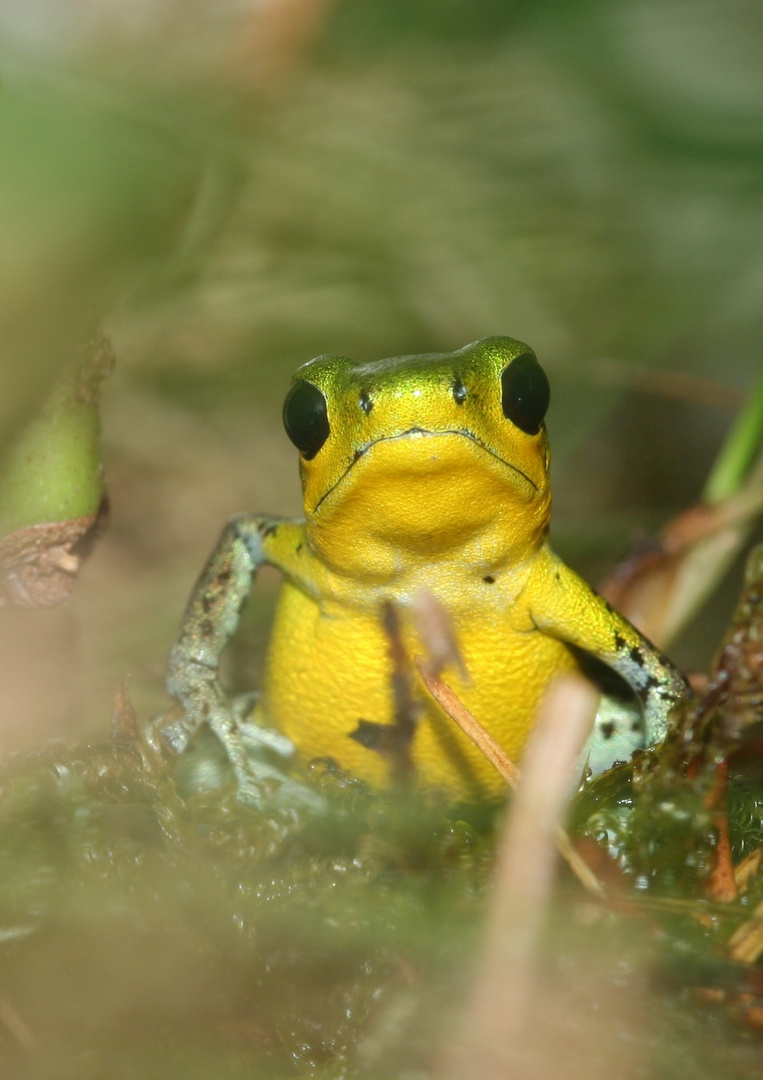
734	494
661	593
735	458
52	490
53	472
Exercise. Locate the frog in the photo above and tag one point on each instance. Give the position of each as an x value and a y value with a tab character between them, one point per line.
421	475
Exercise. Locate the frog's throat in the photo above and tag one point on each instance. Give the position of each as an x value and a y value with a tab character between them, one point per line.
417	431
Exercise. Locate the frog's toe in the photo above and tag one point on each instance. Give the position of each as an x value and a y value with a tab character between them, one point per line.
263	784
245	707
178	734
249	790
257	739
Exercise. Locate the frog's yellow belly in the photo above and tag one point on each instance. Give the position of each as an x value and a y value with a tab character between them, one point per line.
325	674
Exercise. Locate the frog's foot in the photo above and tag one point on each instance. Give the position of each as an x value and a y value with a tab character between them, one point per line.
268	786
269	754
617	732
263	780
223	723
258	756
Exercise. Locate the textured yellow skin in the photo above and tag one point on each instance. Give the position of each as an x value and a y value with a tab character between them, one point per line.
417	487
324	675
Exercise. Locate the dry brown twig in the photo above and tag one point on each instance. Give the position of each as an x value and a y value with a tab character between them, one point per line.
661	588
746	943
747	869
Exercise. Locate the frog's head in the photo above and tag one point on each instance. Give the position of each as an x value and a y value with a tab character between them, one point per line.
422	456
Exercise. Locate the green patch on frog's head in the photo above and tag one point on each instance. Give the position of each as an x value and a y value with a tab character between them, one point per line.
431	446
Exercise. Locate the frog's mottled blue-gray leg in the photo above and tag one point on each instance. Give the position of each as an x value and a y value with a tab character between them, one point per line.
562	605
209	621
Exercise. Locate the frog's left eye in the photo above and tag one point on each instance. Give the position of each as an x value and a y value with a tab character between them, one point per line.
305	417
525	393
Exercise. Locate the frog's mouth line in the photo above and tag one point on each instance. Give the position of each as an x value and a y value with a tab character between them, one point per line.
363	450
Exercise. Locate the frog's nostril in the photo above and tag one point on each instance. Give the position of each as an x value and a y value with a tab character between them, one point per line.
459	390
365	402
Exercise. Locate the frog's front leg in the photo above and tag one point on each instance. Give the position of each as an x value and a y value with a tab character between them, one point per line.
564	606
211	617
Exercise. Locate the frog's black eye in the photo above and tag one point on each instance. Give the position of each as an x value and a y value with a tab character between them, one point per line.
305	417
525	393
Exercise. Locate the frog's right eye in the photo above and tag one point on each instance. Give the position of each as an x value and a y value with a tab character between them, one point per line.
525	393
305	417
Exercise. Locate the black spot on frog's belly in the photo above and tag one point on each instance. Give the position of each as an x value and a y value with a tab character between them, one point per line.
389	740
373	736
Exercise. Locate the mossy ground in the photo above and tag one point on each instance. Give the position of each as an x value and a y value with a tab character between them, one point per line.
144	934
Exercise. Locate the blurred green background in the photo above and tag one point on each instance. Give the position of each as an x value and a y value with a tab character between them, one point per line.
235	188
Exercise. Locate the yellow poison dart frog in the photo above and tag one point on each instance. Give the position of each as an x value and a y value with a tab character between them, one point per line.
419	473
